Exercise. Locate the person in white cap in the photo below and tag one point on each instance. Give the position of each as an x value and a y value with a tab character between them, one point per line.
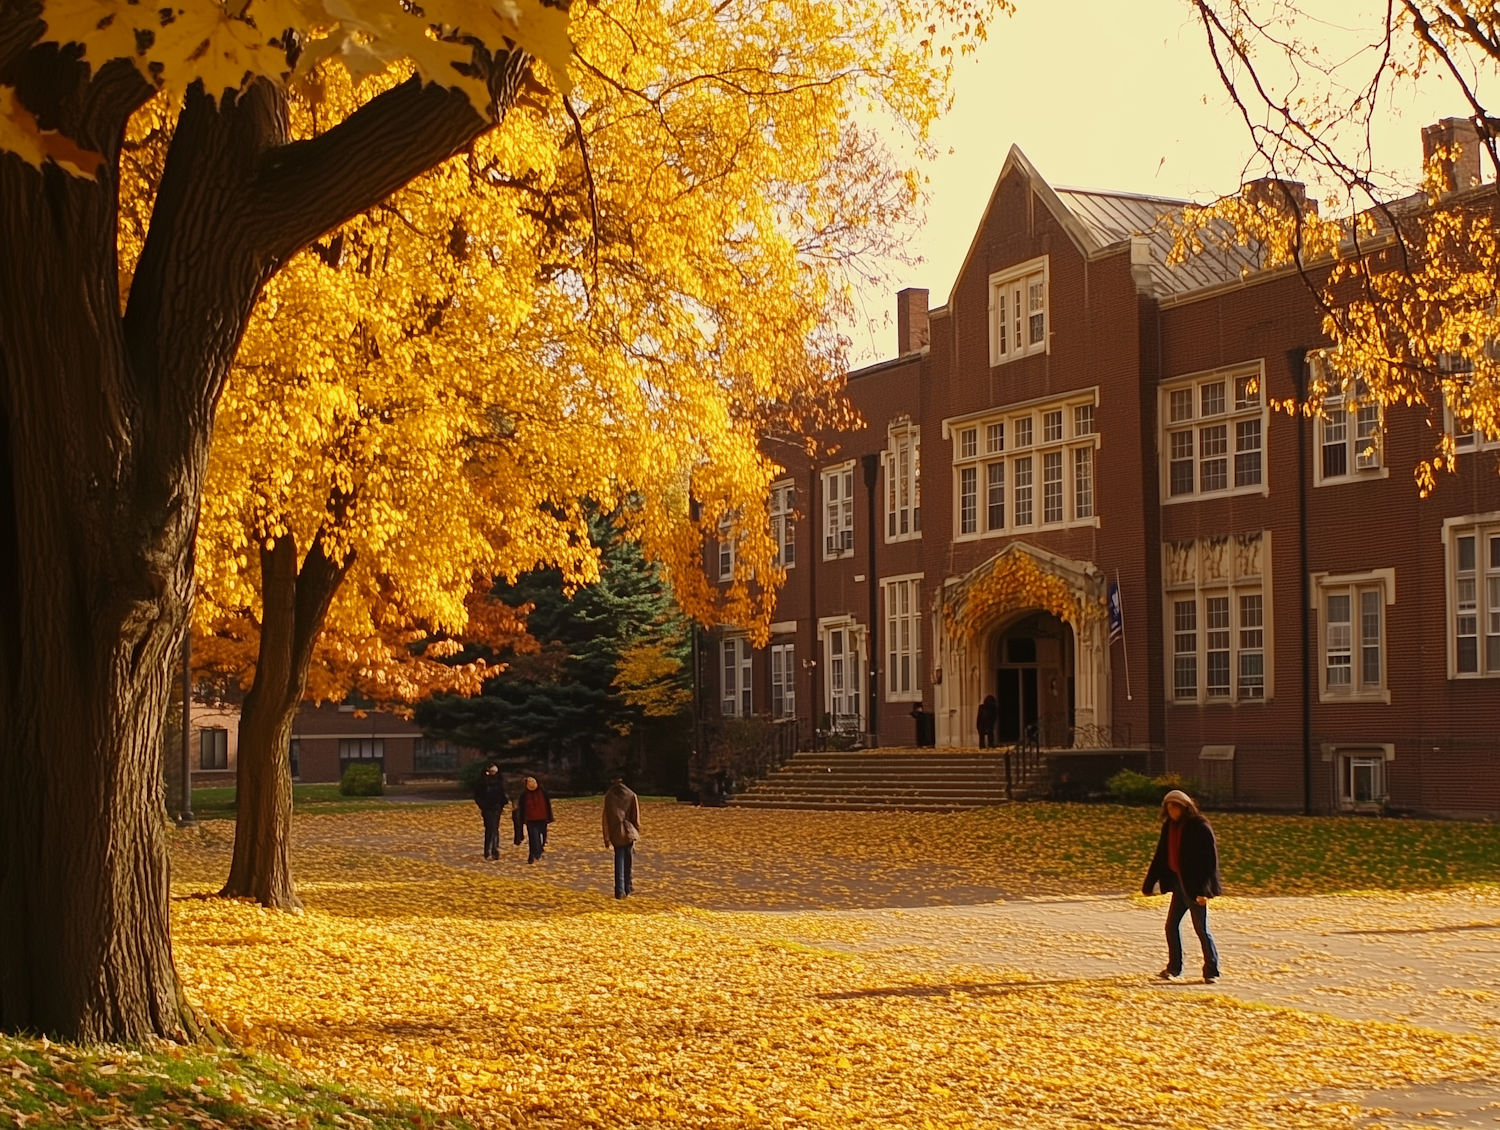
1186	864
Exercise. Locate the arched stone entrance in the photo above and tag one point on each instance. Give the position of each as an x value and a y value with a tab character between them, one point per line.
1027	626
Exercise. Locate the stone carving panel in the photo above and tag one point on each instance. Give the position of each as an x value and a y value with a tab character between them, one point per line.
1215	559
1248	549
1182	563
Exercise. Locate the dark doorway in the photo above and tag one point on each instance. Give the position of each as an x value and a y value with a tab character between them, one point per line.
1017	698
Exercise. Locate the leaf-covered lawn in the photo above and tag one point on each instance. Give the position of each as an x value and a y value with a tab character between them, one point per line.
524	996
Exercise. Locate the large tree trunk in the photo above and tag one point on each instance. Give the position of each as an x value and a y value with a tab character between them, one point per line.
294	604
105	422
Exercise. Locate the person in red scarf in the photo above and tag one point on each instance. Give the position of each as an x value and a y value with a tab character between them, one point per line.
1186	864
535	807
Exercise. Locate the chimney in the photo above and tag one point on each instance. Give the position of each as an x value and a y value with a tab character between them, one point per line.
911	320
1460	169
1285	197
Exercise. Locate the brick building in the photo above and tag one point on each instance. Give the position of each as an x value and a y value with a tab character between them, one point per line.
1300	627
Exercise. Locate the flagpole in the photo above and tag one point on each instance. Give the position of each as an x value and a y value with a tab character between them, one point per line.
1124	647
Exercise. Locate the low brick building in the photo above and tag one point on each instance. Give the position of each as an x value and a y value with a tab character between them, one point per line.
1301	629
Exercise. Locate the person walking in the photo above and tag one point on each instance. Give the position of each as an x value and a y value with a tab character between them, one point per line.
622	828
984	721
1186	864
489	795
536	813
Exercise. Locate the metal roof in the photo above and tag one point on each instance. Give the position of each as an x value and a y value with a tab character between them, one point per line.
1112	218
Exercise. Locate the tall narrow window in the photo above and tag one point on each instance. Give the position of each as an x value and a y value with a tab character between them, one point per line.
903	516
213	748
1492	638
1216	615
1214	456
994	438
1036	307
783	524
1185	648
1337	656
968	500
1052	486
1369	637
726	550
995	501
1466	599
1335	439
1247	453
841	646
1181	466
729	695
1252	648
1023	491
838	511
903	639
783	680
1083	482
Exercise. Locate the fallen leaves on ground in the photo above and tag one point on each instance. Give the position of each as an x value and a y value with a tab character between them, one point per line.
523	996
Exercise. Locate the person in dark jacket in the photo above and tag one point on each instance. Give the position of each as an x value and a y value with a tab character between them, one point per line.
985	721
489	795
1186	864
536	813
622	828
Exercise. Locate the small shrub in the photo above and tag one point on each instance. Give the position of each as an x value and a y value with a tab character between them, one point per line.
362	780
1129	787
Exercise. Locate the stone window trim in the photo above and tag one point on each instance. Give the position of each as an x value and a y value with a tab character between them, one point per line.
1220	423
1019	284
902	459
901	600
845	676
1228	570
1482	527
736	676
836	529
1028	492
1345	759
1355	584
783	513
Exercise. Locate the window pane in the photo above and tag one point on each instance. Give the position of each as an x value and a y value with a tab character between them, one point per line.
995	438
1466	554
1335	445
1216	621
1366	437
1252	664
1052	426
1247	453
1369	637
1213	398
1083	420
1181	402
1181	470
1214	448
1492	644
1052	486
1083	482
968	500
1246	392
968	443
1036	297
1467	627
1023	431
996	497
1023	491
1185	647
1339	640
1003	322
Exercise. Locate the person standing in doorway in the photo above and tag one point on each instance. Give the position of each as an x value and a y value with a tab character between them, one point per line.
536	813
622	828
489	795
989	715
1186	864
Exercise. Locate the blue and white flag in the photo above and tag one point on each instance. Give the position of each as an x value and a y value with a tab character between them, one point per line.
1116	613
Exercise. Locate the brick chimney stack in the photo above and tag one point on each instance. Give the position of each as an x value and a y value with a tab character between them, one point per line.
911	320
1285	197
1450	133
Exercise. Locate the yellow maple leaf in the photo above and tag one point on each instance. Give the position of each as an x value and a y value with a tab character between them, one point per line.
19	134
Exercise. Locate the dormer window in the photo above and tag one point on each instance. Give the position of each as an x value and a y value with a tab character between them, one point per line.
1019	312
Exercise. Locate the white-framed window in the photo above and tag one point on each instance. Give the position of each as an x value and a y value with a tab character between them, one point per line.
1019	312
903	484
1213	434
1350	436
1473	551
1351	613
843	653
735	682
1360	781
838	511
1458	417
903	638
364	751
783	680
783	510
1035	466
727	540
1217	609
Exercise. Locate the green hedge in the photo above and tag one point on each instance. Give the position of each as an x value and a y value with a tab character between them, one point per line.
1129	787
362	780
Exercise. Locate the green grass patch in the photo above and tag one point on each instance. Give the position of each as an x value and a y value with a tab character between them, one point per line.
218	804
45	1086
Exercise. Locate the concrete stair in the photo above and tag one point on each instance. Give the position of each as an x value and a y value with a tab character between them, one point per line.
917	780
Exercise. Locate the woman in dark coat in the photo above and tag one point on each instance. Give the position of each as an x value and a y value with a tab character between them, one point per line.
1186	864
985	720
489	795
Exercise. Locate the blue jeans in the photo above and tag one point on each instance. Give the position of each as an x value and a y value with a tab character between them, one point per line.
536	839
624	857
1179	907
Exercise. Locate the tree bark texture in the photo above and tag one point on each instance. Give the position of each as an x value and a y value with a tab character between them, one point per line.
294	604
105	422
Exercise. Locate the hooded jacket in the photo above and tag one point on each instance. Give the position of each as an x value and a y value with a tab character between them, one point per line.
489	793
1199	860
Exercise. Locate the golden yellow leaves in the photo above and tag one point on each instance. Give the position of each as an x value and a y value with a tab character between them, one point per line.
20	134
1013	583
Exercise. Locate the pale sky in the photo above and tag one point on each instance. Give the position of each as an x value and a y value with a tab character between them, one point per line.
1117	94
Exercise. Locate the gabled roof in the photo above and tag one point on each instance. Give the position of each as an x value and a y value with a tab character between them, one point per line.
1100	221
